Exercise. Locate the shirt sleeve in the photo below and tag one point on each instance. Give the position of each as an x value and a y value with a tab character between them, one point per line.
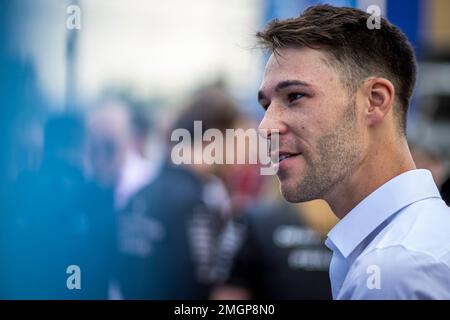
396	273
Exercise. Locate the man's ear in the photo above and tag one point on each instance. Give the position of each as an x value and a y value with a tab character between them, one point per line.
379	94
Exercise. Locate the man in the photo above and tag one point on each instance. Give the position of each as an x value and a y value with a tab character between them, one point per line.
169	229
338	93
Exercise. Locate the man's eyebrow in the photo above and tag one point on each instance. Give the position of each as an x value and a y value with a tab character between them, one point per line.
288	83
282	85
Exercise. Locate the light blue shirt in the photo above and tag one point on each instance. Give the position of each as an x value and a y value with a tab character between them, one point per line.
395	244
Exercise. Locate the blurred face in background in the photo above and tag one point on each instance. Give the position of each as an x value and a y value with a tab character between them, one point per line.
109	138
320	133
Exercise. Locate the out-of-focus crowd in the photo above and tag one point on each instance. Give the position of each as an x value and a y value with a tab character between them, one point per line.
98	189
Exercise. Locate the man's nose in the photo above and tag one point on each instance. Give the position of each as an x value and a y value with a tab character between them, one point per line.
272	121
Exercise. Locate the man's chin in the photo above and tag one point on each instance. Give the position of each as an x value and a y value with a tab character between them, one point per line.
296	193
290	193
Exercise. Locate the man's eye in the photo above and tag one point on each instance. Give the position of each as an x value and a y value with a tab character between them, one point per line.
295	96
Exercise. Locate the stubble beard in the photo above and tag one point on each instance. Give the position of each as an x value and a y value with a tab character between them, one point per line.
339	152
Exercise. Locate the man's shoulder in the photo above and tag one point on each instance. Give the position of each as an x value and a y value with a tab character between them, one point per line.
398	259
410	257
421	228
398	272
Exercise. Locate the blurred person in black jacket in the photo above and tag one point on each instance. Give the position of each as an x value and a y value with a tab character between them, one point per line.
168	232
60	219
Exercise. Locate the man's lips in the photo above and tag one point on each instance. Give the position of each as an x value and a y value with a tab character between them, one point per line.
282	155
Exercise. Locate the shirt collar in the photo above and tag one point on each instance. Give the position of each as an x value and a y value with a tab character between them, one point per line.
377	207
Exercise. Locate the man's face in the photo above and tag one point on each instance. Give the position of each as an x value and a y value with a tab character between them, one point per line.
320	134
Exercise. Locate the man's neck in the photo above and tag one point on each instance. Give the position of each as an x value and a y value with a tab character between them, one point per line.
376	169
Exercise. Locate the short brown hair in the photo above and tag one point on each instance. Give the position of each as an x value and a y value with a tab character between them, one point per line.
213	106
356	50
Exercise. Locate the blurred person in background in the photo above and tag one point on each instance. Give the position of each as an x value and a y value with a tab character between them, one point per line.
116	145
243	182
141	130
430	160
61	219
169	229
281	254
117	150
